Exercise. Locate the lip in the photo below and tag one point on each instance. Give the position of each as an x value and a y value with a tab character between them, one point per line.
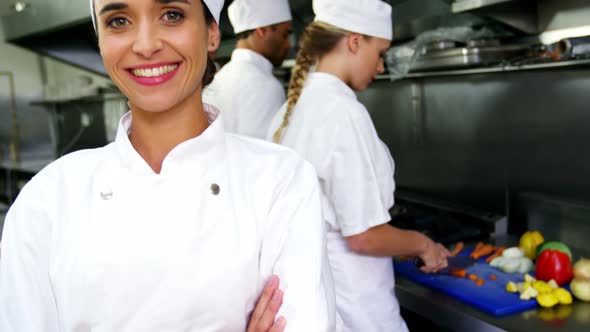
156	80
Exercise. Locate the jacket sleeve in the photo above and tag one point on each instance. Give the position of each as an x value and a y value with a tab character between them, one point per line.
358	173
294	248
26	299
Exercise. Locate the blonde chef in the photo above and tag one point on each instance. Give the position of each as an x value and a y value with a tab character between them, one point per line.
324	122
176	225
245	89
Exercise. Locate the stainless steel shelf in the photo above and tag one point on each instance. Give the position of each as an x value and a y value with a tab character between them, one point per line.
466	5
497	69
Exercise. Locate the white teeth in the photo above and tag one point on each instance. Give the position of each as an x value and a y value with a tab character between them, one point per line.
152	72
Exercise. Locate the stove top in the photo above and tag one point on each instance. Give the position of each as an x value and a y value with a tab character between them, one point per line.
441	226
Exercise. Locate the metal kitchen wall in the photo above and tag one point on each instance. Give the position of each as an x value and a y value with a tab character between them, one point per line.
483	140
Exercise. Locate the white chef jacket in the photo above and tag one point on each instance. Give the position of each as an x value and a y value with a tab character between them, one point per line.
334	132
98	242
247	93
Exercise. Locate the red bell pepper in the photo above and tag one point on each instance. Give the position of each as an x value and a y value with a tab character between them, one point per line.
554	264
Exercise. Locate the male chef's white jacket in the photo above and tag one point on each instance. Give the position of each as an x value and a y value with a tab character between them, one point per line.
98	242
247	93
334	132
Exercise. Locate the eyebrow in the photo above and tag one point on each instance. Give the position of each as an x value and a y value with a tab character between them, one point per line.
120	5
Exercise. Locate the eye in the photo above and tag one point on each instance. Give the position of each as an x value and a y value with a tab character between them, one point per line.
117	22
173	16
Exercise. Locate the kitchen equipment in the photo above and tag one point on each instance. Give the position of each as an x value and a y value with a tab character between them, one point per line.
461	57
443	226
491	297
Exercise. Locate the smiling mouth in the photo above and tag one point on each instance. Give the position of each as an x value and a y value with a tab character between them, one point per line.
154	72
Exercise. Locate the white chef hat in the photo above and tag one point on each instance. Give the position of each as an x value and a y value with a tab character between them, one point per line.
367	17
214	7
246	15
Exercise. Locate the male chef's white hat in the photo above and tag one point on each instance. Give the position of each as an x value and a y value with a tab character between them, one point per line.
247	15
367	17
214	7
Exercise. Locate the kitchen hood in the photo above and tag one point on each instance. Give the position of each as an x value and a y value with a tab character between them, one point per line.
62	29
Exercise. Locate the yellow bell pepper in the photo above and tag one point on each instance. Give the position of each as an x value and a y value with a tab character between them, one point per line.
542	287
547	300
563	296
511	287
529	242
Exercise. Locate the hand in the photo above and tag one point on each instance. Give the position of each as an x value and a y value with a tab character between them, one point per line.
434	257
267	307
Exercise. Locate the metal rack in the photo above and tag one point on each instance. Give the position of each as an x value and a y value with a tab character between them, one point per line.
495	69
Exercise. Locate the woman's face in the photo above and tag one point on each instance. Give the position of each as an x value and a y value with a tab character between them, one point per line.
369	61
155	50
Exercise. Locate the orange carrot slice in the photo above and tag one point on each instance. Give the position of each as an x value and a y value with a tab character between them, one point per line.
457	248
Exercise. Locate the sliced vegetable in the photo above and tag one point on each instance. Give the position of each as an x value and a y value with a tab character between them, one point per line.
547	300
479	282
492	277
541	286
485	250
511	287
513	252
525	265
460	273
478	246
498	261
472	277
497	253
529	293
563	296
510	266
458	248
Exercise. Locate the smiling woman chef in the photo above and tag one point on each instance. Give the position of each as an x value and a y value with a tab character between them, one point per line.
176	225
324	122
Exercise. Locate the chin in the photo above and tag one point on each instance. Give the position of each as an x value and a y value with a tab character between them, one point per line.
154	105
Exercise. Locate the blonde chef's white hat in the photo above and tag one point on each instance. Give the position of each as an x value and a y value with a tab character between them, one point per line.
367	17
247	15
214	7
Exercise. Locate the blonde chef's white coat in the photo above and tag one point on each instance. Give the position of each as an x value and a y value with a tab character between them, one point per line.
98	242
247	93
334	132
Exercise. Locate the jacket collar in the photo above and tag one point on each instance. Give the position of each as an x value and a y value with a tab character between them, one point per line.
246	55
329	81
204	149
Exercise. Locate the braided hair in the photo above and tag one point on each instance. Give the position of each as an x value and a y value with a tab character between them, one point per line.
318	39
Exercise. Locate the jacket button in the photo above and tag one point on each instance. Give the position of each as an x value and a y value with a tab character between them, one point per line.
215	189
106	196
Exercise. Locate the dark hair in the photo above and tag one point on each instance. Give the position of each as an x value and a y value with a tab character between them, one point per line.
248	33
210	69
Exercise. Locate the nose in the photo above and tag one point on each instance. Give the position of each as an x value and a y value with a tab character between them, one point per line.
147	43
381	66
